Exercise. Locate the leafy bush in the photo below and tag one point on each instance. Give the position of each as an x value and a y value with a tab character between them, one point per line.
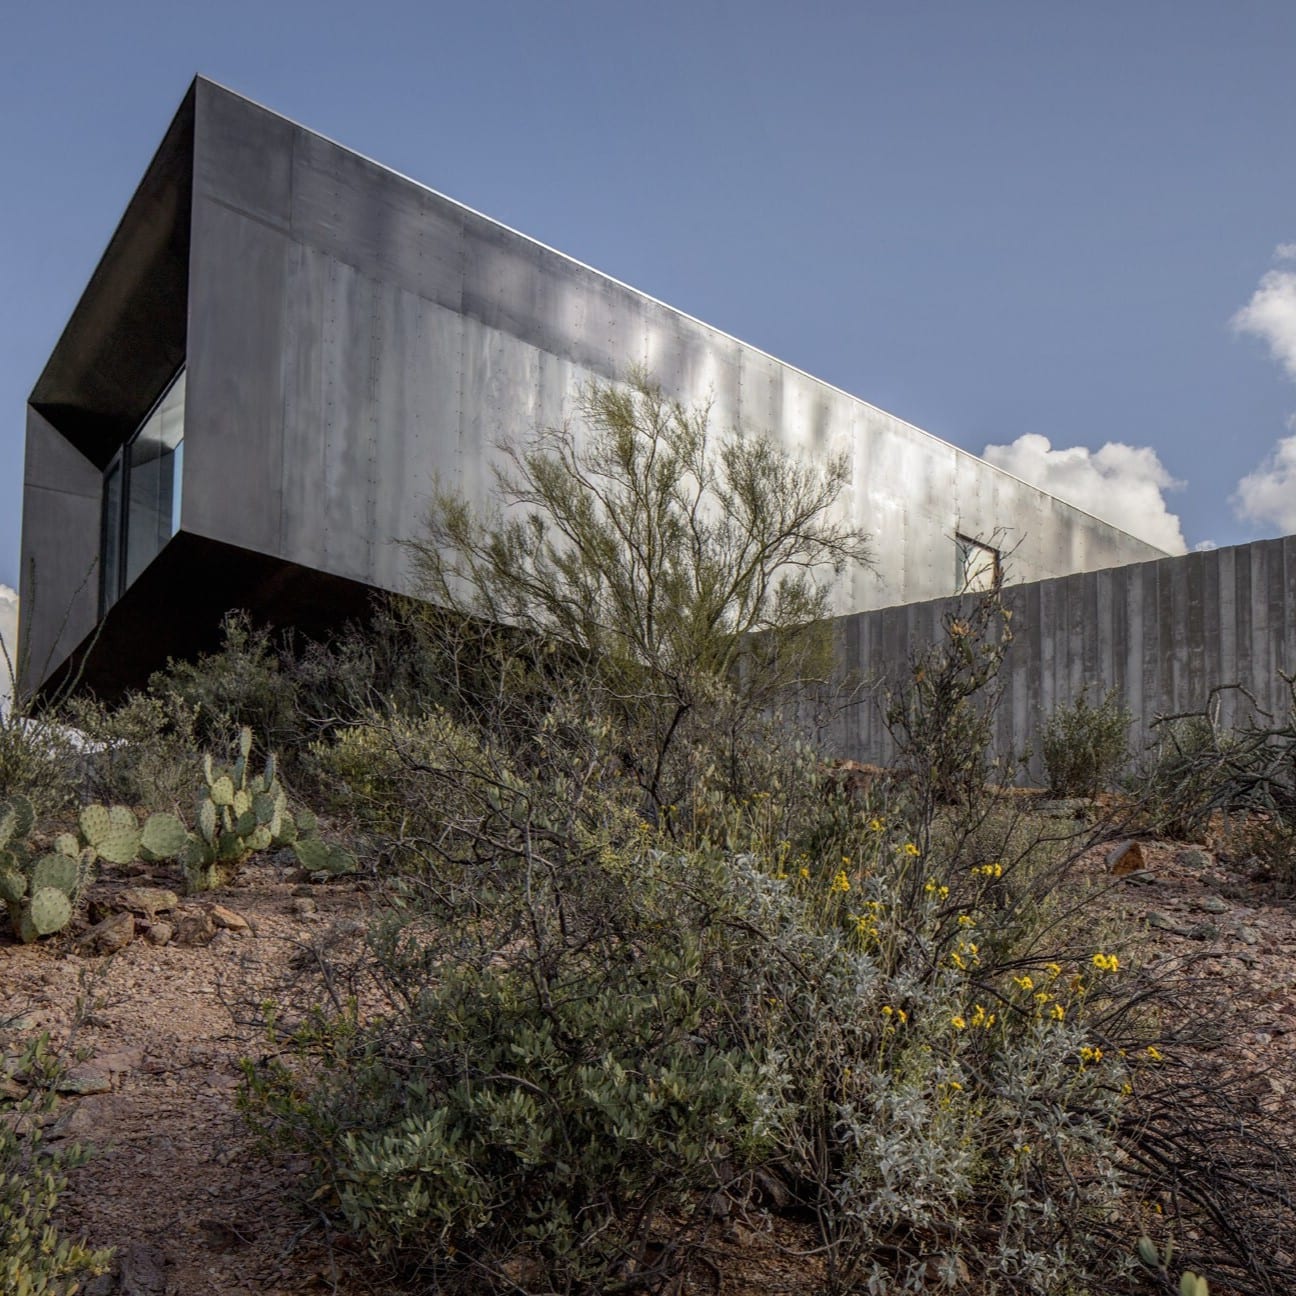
140	752
244	683
1085	747
35	1258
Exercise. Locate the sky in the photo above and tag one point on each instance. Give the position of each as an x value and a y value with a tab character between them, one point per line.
1062	235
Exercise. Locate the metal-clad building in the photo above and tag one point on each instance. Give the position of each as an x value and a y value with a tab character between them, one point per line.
285	344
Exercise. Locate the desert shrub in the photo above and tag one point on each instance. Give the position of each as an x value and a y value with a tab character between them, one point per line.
244	683
591	1024
683	572
941	714
142	751
1085	747
36	1259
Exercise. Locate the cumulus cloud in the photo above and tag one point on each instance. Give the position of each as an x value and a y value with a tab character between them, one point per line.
1268	495
9	637
1270	315
1121	484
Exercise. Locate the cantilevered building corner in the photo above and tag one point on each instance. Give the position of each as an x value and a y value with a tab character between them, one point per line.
286	344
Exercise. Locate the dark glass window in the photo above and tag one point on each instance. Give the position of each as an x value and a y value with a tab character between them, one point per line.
141	501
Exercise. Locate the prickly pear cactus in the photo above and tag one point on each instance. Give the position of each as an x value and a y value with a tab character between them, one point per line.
240	812
163	837
39	894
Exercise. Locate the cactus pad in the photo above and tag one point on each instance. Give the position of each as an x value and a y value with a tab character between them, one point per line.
241	804
245	742
95	823
207	819
312	854
120	844
164	836
263	806
50	910
13	886
222	790
57	871
67	844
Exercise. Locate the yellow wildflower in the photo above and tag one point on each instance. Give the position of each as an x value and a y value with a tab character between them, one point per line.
1023	983
876	824
1154	1054
803	872
840	881
958	1023
1106	962
1058	1012
911	849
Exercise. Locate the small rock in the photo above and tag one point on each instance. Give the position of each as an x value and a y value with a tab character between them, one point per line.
1140	877
143	1271
87	1079
193	928
1213	905
229	920
1247	935
1165	922
109	936
303	891
1127	857
1194	858
148	901
159	933
1204	932
304	908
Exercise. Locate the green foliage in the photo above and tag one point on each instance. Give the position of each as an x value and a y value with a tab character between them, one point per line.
42	892
36	1259
1086	747
677	567
243	685
941	717
140	752
238	812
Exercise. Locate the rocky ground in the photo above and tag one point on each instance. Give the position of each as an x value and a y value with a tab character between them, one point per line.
158	1001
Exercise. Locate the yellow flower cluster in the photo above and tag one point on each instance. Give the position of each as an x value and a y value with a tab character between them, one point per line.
1154	1054
840	882
934	888
966	956
876	824
994	870
911	850
896	1014
1090	1054
1106	962
1024	982
980	1020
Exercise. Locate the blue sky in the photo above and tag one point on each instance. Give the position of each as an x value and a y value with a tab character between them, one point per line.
998	220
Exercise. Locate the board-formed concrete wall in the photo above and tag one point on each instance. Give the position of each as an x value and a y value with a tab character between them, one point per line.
1162	634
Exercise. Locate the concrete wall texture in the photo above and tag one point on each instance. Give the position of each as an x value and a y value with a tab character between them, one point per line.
1162	634
351	336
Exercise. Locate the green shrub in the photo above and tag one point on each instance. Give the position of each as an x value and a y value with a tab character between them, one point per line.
1086	747
142	751
36	1259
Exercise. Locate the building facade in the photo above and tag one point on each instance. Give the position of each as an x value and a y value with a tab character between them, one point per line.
285	345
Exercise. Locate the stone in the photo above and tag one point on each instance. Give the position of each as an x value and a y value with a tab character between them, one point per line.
193	927
229	920
305	908
1212	905
1194	858
107	937
159	933
1165	922
145	900
85	1079
1126	857
1204	932
142	1271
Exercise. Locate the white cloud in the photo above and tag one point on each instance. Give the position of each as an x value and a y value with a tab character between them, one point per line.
1268	495
1270	315
1285	252
1121	484
1204	546
9	637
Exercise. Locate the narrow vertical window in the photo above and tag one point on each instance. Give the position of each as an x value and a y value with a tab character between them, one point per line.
142	489
978	566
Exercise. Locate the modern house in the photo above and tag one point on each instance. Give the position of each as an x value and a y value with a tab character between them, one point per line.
285	344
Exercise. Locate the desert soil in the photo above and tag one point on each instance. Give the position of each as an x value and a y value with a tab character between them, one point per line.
178	1188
